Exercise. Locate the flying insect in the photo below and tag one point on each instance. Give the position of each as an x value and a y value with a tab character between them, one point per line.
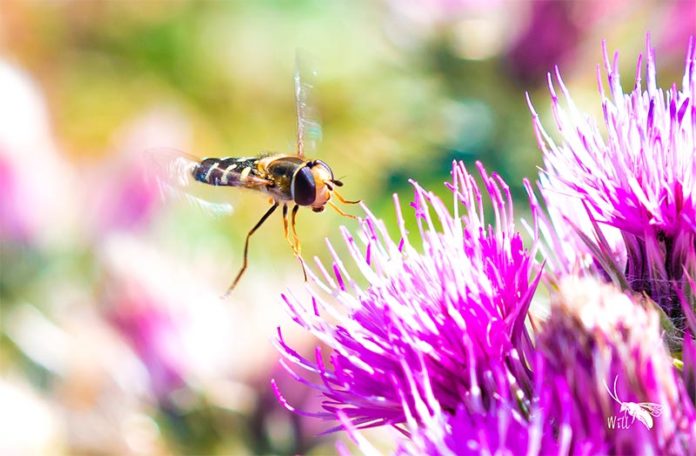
288	179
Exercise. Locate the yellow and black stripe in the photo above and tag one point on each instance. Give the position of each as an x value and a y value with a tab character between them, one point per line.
225	171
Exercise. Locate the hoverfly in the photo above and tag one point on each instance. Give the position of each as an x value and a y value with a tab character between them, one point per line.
288	179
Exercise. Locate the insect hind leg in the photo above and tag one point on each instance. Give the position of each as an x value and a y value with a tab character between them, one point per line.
246	247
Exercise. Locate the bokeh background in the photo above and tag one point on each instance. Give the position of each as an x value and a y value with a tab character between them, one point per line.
114	339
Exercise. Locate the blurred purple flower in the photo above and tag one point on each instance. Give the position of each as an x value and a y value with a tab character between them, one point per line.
459	308
178	327
550	37
38	202
152	334
12	223
676	27
638	179
126	192
126	198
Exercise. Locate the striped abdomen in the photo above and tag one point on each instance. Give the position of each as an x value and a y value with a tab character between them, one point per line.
224	171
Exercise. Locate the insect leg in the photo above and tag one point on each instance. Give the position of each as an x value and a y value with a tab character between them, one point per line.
293	241
338	209
296	244
285	223
246	248
343	200
297	247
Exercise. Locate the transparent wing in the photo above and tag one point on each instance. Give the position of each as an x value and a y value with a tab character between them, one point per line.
308	125
171	170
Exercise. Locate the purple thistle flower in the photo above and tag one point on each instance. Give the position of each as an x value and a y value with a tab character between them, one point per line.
635	185
687	297
608	377
601	368
436	345
458	309
500	429
550	36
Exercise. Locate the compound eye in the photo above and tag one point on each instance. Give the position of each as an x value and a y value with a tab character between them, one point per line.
303	188
325	166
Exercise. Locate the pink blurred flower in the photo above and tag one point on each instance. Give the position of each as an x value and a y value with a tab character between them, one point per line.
126	192
550	38
179	328
38	201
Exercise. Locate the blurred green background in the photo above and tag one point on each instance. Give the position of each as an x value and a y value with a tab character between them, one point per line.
114	339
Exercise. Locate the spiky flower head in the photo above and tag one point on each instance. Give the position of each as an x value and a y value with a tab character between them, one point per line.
456	305
501	429
436	343
637	179
604	383
608	377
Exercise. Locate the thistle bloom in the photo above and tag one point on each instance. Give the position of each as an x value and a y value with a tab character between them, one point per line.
437	345
601	350
500	429
458	309
637	180
601	367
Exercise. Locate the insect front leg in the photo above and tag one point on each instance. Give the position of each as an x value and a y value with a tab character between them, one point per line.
297	247
343	200
285	225
246	247
340	211
296	240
